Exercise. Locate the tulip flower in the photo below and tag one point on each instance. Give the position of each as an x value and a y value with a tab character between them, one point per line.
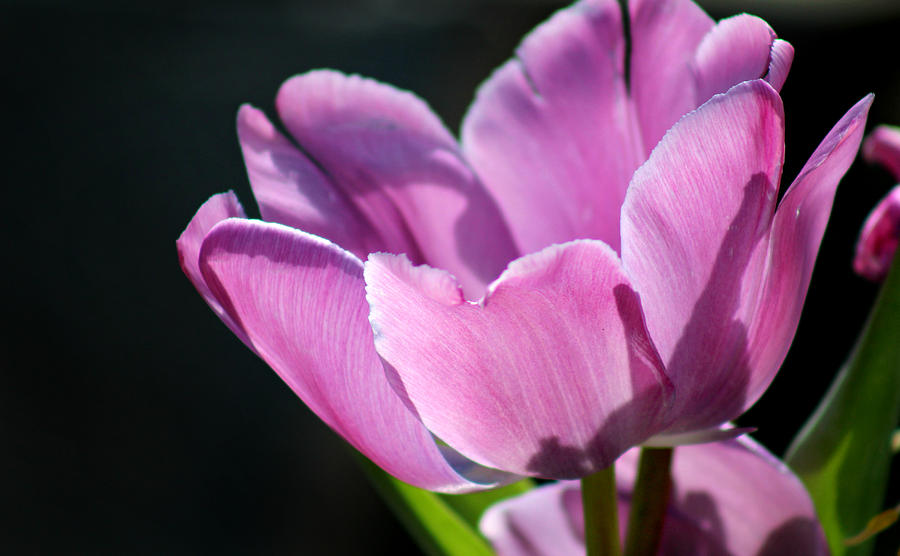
881	231
556	356
642	299
730	497
882	147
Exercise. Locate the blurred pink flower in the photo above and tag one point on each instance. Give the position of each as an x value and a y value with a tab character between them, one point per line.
728	498
881	232
669	316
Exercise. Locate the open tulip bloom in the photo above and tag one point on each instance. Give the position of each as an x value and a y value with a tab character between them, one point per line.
596	265
652	299
730	497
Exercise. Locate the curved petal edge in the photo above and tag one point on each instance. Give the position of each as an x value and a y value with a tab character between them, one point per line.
551	374
301	301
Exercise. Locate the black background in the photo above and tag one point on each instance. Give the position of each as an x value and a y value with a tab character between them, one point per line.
131	420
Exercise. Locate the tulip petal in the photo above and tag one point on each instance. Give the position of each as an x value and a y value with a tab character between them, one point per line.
552	374
795	237
544	521
780	60
551	132
729	498
879	238
693	226
292	190
217	208
665	35
883	147
740	495
391	159
301	301
736	49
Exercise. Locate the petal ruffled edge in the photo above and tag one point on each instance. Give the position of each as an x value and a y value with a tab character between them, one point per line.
552	374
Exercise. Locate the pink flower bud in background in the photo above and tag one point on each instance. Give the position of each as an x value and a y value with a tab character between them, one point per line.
882	147
881	231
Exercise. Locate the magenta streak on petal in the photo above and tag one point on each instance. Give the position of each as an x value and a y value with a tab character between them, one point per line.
552	374
301	301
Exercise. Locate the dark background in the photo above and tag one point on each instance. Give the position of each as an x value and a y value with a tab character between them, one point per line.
131	420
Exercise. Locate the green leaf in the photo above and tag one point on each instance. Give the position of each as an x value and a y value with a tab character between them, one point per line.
438	528
843	452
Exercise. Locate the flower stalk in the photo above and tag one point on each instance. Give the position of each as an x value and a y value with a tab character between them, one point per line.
652	489
601	513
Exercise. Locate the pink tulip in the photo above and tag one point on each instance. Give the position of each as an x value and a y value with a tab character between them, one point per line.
881	231
729	497
668	316
882	147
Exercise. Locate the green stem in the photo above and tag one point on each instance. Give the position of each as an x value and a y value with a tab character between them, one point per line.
648	502
601	513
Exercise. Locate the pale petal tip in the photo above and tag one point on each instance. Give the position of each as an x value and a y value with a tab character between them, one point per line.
860	110
867	101
781	57
255	130
218	207
249	115
435	283
849	128
857	113
549	256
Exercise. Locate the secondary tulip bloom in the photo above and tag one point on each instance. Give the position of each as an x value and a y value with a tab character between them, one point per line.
881	231
728	497
669	316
